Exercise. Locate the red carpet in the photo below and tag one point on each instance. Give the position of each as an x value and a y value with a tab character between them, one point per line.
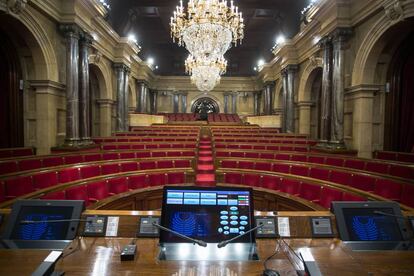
205	167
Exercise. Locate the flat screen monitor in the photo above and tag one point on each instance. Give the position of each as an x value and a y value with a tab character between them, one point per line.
208	214
369	221
41	220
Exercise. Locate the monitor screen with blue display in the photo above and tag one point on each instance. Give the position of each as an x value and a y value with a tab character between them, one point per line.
369	221
209	214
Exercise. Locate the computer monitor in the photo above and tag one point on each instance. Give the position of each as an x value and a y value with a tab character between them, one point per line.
209	214
369	221
29	220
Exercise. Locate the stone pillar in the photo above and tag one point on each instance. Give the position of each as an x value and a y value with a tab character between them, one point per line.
256	102
325	123
105	115
145	99
289	92
154	97
304	117
121	76
183	102
268	94
140	90
84	95
234	102
71	33
175	102
338	75
126	94
226	103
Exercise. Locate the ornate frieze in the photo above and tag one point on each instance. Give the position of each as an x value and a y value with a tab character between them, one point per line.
394	10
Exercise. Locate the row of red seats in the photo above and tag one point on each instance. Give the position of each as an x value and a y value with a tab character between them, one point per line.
93	191
166	128
266	141
160	134
100	140
177	117
18	185
135	146
259	146
45	161
243	129
258	135
213	117
322	195
16	152
393	169
386	187
395	156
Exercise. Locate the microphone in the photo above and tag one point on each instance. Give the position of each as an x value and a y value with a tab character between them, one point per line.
225	242
52	220
199	242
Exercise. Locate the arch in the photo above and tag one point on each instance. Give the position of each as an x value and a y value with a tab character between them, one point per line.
205	95
204	105
104	76
371	47
307	79
131	98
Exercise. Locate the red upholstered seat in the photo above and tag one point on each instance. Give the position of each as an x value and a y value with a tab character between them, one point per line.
44	180
363	182
126	155
354	164
237	154
318	173
286	148
2	192
158	179
53	161
182	164
159	154
273	147
73	159
147	165
299	170
282	168
222	154
290	186
229	164
352	197
176	178
8	167
163	164
109	169
110	156
282	156
137	181
117	185
129	166
333	161
30	164
137	146
407	195
109	147
90	171
271	182
143	154
402	171
267	155
18	186
173	153
97	191
233	178
328	195
299	157
252	180
68	175
187	153
93	157
77	193
259	147
310	192
251	155
263	166
340	177
124	147
316	159
246	165
388	189
59	195
377	167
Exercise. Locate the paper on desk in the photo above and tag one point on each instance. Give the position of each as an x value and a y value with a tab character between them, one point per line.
283	226
112	227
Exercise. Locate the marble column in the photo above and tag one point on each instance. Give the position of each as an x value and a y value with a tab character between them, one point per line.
183	102
154	96
256	99
145	99
338	87
126	98
71	33
234	102
268	94
325	123
175	102
140	90
289	74
305	117
121	72
226	103
84	94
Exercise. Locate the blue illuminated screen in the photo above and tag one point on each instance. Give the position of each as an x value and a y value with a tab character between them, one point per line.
365	225
209	215
42	230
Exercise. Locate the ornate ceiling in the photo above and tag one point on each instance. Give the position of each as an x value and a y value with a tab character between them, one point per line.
149	21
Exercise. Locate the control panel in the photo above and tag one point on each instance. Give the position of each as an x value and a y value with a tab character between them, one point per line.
146	229
269	227
321	227
95	226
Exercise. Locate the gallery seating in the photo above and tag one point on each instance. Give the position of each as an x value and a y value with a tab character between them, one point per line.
261	146
16	152
395	156
148	145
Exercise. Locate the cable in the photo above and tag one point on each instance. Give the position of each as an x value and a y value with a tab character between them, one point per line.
73	250
271	256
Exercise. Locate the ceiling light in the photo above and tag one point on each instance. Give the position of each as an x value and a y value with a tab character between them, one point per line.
150	61
260	63
316	39
132	38
280	39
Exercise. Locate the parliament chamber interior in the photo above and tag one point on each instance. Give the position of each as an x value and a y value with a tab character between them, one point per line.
206	137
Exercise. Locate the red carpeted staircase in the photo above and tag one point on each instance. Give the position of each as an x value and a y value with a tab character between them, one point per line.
205	166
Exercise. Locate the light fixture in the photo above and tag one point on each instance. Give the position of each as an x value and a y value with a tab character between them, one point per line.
150	61
280	39
205	73
207	28
132	38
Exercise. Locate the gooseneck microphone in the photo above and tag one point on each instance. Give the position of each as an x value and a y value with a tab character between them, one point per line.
199	242
389	215
225	242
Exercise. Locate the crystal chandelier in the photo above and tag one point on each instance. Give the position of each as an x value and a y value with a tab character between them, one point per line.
205	73
207	28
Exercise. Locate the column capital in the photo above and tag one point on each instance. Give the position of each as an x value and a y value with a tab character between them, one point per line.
70	30
139	81
290	68
341	34
325	42
86	39
122	67
269	83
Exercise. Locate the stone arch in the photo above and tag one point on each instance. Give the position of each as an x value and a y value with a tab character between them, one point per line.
278	94
381	33
103	74
131	95
307	79
204	95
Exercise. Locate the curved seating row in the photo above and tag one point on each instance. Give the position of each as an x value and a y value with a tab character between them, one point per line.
115	139
166	128
178	117
319	192
16	152
387	187
395	156
144	134
45	161
265	140
234	118
260	146
148	145
369	165
14	186
101	187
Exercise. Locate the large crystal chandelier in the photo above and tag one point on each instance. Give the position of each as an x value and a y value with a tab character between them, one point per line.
205	73
207	28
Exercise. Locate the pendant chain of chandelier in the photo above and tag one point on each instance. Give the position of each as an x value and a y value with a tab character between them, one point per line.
207	28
